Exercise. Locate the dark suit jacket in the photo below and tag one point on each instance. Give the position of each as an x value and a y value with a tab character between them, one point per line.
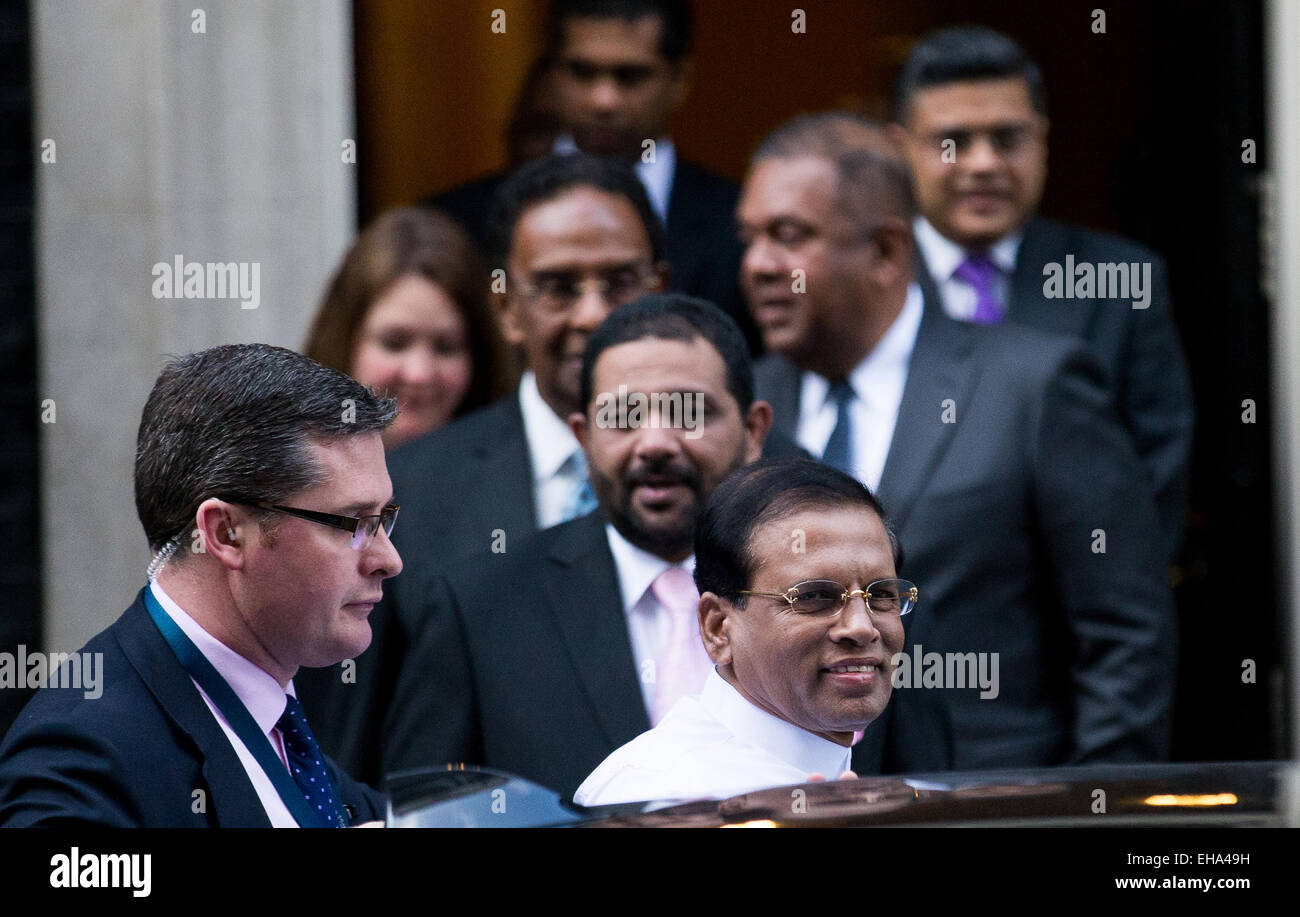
703	248
1137	348
997	512
458	488
134	756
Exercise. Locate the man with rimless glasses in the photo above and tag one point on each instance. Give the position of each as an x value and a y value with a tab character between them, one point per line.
261	486
801	610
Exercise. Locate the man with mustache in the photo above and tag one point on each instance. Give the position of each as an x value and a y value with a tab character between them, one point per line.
543	659
973	123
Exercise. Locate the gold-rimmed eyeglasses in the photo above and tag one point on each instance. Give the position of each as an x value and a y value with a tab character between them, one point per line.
826	598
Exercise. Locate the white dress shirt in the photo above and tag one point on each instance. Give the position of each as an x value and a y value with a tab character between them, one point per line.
878	383
656	177
711	747
257	691
551	448
943	257
648	621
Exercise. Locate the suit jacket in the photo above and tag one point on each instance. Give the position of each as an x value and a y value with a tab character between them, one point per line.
1137	348
1006	461
466	492
703	248
134	756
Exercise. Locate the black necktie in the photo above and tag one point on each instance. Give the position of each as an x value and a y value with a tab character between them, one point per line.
839	448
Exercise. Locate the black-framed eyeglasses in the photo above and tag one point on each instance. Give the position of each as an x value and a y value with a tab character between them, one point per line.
824	598
362	529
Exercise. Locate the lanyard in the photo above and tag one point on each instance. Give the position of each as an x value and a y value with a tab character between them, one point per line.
237	715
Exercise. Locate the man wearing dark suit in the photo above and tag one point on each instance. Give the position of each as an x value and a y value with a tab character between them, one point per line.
620	70
543	658
973	123
1025	518
578	237
195	721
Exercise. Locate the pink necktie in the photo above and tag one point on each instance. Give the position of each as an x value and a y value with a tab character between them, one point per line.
683	664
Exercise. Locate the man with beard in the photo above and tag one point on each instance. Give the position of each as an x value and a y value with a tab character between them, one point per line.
543	659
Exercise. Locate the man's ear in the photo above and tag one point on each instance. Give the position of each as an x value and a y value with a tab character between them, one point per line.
507	310
714	629
664	274
578	424
892	239
758	423
223	532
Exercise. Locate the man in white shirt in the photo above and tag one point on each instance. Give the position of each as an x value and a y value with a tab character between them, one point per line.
268	507
802	612
996	449
542	659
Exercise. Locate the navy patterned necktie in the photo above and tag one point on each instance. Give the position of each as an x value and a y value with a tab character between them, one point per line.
839	448
307	764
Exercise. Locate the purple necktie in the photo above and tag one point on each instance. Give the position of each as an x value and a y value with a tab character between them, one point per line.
983	275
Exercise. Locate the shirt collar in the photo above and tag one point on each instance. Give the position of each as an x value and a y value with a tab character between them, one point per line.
943	256
637	568
810	753
891	356
656	176
256	689
550	441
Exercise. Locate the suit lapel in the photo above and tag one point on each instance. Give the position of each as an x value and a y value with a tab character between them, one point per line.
582	592
233	799
505	462
941	368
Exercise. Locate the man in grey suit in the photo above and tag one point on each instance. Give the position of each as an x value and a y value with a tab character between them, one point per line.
1022	506
973	123
544	657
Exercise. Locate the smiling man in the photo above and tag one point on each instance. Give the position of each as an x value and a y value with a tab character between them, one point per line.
261	486
801	609
594	637
972	118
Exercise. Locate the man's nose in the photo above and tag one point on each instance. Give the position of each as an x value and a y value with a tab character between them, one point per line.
761	260
604	95
982	156
855	622
382	557
658	438
590	308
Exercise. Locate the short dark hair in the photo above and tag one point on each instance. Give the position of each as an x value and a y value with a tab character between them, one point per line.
674	317
963	53
233	422
547	178
871	176
675	16
768	490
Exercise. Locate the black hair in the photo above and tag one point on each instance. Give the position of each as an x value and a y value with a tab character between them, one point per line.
674	15
963	53
674	317
547	178
233	422
768	490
